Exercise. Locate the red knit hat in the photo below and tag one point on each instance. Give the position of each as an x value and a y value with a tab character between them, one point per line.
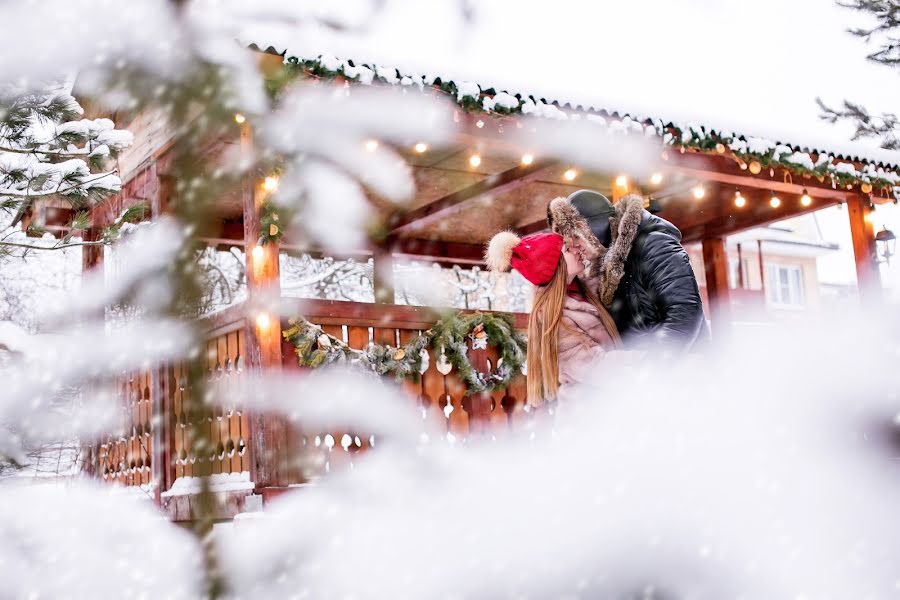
534	256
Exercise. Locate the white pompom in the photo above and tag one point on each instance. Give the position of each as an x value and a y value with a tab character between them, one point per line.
499	250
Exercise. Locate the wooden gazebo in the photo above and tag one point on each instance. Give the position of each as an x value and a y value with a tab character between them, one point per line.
466	192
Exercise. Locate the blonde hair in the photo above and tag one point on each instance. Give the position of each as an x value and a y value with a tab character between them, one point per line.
542	380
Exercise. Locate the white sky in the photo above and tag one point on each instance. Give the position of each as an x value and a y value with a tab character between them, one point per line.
753	67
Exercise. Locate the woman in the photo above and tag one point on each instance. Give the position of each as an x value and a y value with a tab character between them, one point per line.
568	328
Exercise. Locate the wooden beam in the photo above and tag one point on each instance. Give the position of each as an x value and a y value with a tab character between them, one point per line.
862	232
715	263
726	171
337	312
440	252
269	433
493	184
757	213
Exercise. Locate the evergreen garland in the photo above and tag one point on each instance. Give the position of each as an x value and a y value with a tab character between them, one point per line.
271	228
448	339
695	138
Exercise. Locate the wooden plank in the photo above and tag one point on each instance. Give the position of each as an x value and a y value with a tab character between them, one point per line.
234	418
493	184
337	312
725	170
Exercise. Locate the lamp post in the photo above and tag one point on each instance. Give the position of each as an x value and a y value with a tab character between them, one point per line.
885	242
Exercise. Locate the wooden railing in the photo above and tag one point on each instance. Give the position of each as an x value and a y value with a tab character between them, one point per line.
156	443
126	456
439	398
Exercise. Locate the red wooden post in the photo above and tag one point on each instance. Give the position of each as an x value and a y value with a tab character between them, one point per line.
715	262
269	433
862	232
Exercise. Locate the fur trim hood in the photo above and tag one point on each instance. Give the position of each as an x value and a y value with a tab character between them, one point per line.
607	264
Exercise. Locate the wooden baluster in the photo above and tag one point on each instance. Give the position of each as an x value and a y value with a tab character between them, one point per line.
337	456
242	443
145	428
480	404
188	418
133	434
432	392
222	464
178	419
518	392
214	371
233	423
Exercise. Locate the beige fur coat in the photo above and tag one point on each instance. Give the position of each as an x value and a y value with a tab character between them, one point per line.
583	340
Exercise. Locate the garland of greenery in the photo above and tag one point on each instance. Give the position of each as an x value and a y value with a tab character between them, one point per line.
271	229
765	155
449	338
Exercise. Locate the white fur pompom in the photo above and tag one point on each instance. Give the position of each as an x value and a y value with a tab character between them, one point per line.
499	250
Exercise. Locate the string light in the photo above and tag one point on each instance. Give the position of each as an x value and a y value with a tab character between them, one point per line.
656	178
570	174
755	167
479	124
239	118
421	147
263	321
270	184
739	200
475	160
527	159
805	200
622	181
372	145
775	201
699	192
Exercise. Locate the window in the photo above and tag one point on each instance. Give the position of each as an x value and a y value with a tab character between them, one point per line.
784	285
733	279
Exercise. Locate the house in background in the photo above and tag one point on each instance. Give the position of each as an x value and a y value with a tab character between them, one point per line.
774	272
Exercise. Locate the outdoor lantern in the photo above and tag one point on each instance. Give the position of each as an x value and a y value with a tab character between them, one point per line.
884	245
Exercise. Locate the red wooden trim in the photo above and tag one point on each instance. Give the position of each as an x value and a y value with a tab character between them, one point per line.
336	312
862	231
715	262
232	318
725	170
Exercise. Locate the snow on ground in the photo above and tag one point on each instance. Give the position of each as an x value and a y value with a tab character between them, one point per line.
218	482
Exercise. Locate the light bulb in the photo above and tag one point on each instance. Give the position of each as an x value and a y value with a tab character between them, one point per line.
775	201
699	192
656	178
739	200
479	123
372	145
622	181
805	200
263	321
570	174
239	118
270	184
421	147
475	160
527	159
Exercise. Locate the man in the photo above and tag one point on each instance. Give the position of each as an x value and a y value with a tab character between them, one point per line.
640	271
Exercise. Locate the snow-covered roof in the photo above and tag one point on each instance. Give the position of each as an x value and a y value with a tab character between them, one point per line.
751	68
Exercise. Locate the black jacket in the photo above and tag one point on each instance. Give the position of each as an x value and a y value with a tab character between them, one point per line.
657	299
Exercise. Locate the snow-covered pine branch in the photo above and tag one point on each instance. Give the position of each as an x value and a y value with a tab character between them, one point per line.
48	150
